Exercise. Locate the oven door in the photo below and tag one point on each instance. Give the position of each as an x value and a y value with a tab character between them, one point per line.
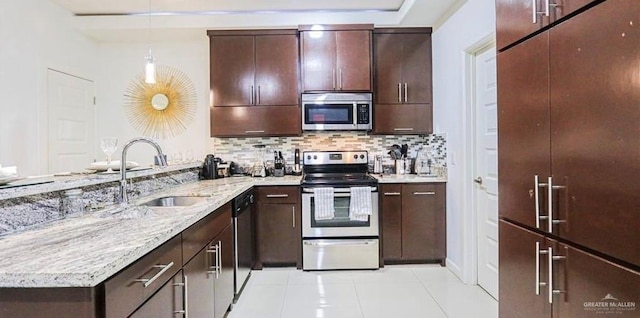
329	116
340	225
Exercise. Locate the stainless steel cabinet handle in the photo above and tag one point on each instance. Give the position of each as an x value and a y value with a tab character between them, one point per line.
293	216
334	77
538	253
219	261
552	258
148	281
424	193
340	78
399	93
550	220
251	96
390	194
536	189
185	298
254	131
403	129
406	92
258	97
277	195
534	9
214	269
546	7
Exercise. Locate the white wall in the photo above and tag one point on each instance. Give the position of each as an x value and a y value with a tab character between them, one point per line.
122	62
35	35
472	23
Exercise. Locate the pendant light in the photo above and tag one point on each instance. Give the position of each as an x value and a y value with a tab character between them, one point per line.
150	65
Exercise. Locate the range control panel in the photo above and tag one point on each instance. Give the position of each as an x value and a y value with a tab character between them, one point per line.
335	157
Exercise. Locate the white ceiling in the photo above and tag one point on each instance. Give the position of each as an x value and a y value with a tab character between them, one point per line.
201	6
127	20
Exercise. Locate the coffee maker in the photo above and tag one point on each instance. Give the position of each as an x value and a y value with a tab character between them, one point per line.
209	168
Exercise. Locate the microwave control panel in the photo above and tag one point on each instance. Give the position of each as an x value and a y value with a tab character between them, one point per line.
364	116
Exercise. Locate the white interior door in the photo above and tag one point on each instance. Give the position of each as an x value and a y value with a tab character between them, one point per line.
486	169
72	122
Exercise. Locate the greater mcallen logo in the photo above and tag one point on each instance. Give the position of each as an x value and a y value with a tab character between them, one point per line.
609	305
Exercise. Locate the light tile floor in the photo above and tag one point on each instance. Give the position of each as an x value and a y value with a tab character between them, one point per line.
405	291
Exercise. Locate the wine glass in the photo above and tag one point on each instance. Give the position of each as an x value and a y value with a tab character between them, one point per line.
109	146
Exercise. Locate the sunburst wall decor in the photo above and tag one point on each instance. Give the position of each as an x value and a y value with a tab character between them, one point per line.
163	109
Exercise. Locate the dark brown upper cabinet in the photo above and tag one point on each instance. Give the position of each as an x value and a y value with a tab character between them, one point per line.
402	81
336	58
515	19
255	72
254	68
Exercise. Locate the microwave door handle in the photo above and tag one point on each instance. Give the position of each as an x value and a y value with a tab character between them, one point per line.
355	115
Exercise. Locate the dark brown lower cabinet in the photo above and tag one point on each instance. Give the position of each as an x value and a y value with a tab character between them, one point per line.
278	233
208	278
413	223
541	277
199	278
167	302
156	285
223	291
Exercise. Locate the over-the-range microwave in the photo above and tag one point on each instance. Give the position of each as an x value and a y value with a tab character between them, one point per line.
337	111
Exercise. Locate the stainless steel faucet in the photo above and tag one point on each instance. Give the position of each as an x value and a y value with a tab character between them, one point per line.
124	199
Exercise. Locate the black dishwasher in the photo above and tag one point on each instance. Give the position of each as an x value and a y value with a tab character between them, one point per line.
242	240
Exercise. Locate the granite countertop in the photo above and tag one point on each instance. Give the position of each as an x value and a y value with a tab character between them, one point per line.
407	178
85	251
53	183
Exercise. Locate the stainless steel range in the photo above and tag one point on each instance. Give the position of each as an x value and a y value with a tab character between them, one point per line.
339	212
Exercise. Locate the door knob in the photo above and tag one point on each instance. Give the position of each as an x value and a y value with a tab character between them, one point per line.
478	180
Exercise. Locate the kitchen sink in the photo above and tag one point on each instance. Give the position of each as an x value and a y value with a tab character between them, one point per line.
174	201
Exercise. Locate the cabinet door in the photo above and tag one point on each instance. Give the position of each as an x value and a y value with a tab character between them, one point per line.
515	19
276	70
223	292
403	119
595	116
388	59
166	302
416	69
391	213
594	287
255	121
565	7
199	284
523	130
423	222
318	53
277	240
519	275
232	70
353	60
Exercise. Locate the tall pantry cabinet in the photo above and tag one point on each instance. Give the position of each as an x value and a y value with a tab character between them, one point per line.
569	159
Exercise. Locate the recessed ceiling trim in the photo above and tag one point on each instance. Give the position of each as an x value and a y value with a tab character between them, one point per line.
182	13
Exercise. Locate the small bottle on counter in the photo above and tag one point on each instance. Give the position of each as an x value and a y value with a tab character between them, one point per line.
72	204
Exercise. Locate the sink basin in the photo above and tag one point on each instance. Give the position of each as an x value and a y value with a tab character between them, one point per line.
174	201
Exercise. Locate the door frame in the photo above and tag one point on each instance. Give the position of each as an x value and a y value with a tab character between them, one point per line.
470	223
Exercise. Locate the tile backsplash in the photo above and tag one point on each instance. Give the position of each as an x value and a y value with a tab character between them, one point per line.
245	150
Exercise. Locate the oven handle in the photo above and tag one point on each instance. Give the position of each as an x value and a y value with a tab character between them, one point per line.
338	190
340	242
